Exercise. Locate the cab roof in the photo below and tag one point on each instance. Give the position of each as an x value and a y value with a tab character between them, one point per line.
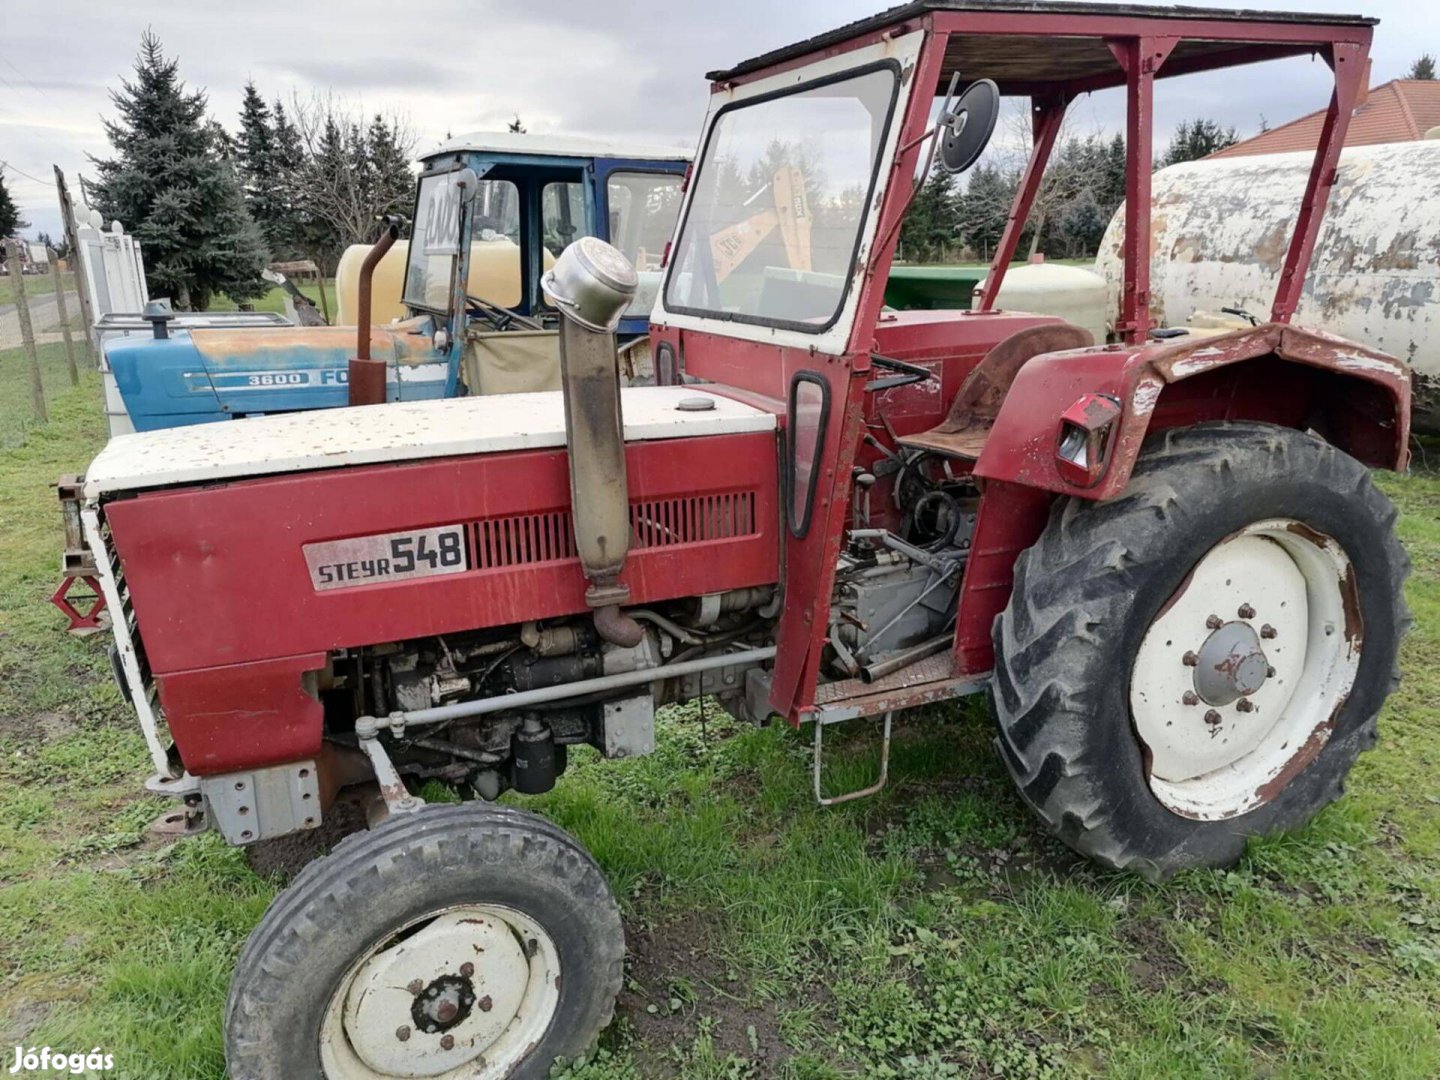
575	146
997	39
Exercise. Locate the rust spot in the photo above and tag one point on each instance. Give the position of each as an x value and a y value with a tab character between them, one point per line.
1301	759
1319	539
1350	598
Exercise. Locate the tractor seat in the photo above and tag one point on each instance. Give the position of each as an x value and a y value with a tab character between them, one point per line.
972	414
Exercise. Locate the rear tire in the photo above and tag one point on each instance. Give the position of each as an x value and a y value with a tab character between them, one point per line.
1087	594
494	909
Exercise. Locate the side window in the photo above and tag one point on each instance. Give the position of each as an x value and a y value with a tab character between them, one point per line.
562	215
643	207
809	413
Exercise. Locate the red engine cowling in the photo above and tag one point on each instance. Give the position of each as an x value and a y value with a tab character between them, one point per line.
242	589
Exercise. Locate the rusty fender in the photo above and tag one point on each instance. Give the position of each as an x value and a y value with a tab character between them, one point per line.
1021	447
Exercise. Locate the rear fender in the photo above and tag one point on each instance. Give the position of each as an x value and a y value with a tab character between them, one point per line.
1356	397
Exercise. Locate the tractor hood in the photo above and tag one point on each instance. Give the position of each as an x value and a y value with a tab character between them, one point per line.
396	432
199	375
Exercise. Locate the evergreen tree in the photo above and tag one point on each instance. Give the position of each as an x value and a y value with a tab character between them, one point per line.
256	160
10	221
987	206
1198	138
289	222
172	187
393	184
1423	68
931	221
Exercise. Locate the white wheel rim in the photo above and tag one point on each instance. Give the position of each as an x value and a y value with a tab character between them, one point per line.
1237	682
462	994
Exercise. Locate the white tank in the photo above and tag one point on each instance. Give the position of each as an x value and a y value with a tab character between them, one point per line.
1221	228
1074	293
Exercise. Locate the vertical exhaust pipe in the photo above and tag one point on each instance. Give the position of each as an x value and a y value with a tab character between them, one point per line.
591	284
367	376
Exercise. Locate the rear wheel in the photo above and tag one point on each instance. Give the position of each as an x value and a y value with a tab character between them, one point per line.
467	942
1202	659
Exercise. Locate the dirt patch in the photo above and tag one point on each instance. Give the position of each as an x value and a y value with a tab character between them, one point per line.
1158	965
19	1022
283	857
674	977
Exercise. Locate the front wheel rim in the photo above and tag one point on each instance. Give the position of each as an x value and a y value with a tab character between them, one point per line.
1239	679
463	993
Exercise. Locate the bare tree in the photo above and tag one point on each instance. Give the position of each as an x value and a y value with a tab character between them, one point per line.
355	170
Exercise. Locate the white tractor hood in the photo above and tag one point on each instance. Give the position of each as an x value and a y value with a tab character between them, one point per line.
399	431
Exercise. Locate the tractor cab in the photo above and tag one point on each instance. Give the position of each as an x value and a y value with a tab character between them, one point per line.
491	210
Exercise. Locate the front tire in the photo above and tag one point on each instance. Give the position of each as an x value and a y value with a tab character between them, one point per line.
468	942
1146	707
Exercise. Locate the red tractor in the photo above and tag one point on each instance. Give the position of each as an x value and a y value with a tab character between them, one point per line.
1163	557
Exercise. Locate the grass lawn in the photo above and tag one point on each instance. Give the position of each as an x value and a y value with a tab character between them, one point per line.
274	300
931	932
35	285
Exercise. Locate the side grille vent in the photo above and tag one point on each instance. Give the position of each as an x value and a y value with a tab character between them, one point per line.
527	539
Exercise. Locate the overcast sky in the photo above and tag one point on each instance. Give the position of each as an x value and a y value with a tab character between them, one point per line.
572	66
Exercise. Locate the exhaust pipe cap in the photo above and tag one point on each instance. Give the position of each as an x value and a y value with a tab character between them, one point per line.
591	283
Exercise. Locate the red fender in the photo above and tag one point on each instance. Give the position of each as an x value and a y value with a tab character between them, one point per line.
1357	397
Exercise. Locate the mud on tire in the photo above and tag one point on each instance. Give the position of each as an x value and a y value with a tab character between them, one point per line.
342	905
1087	591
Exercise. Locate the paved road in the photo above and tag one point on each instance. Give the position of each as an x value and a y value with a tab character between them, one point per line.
44	317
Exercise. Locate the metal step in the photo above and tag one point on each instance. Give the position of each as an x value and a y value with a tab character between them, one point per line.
931	679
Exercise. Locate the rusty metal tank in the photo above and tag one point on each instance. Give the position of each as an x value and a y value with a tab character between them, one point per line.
1220	229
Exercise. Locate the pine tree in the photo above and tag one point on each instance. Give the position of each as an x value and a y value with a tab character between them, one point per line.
1423	68
10	222
289	217
931	220
393	184
256	161
172	187
1198	138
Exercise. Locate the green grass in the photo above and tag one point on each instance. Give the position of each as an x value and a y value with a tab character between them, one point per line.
931	932
274	300
35	285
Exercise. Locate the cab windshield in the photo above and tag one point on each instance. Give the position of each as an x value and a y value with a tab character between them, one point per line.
780	196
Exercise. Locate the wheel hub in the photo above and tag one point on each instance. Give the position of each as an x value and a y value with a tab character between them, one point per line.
1231	664
1241	673
440	998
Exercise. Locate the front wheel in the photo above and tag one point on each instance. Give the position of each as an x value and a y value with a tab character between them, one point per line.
1203	658
466	942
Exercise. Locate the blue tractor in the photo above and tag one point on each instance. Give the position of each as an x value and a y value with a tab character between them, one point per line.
457	309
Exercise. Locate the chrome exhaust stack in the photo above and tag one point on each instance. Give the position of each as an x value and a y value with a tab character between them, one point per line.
591	284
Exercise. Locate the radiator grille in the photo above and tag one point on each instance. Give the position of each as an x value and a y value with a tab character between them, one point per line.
528	539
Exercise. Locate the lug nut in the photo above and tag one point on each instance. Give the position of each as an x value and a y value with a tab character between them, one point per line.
485	1004
1244	705
1214	622
1246	611
1212	717
1190	659
403	1034
415	986
1191	698
447	1043
467	969
1267	631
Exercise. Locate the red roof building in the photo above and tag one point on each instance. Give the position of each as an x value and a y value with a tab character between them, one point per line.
1401	110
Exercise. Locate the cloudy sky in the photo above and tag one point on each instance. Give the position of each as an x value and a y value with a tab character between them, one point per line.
575	66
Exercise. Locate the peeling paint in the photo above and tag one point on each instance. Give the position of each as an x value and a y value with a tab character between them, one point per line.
1221	229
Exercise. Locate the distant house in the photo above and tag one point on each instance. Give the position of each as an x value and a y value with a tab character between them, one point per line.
1402	110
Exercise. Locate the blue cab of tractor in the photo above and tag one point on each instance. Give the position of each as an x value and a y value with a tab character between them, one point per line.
492	211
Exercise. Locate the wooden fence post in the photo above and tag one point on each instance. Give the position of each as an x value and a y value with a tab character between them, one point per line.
27	332
82	289
64	313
